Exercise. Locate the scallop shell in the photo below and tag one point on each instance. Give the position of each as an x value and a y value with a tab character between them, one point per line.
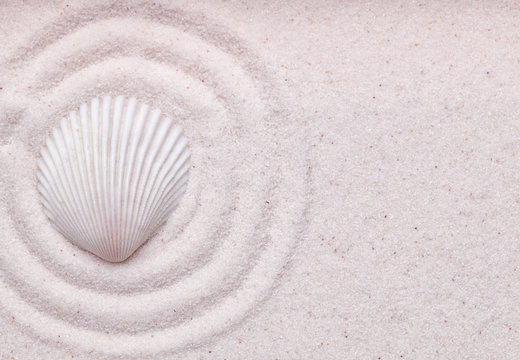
110	177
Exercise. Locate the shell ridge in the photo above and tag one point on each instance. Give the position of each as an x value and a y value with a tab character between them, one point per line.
173	183
169	178
143	152
161	157
49	162
86	171
157	168
106	110
79	175
131	168
174	203
51	202
147	155
118	109
95	116
90	116
64	161
161	217
165	175
176	184
46	191
128	122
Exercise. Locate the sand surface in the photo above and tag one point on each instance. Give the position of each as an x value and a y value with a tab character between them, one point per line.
354	190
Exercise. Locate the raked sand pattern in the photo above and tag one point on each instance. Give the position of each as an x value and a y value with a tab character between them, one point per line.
224	248
353	190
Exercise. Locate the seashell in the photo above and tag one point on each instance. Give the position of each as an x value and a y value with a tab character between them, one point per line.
110	176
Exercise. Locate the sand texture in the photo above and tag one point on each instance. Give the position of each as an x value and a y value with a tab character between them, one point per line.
353	194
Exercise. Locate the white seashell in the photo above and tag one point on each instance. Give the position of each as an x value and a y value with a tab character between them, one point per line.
110	178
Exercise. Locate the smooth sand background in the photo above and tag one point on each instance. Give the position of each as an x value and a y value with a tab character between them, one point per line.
409	244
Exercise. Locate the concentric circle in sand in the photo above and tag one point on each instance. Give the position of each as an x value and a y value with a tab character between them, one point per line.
224	248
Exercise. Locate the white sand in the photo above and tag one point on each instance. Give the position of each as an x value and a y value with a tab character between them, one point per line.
354	190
